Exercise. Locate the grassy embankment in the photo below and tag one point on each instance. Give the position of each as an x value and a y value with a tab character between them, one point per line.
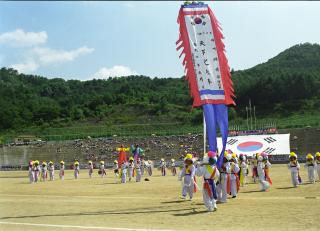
79	131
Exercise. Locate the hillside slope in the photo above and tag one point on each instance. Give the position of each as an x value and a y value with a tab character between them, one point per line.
284	85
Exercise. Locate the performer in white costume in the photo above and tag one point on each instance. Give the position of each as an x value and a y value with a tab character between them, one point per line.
90	168
317	162
188	173
254	164
310	166
261	174
76	169
162	167
36	170
116	168
210	174
138	170
267	166
131	168
142	165
124	167
102	170
61	172
51	170
148	164
294	168
173	167
44	171
223	179
234	177
31	172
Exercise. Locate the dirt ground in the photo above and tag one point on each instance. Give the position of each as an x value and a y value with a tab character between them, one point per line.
104	204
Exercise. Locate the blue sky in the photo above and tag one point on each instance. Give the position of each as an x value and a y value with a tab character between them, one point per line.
84	40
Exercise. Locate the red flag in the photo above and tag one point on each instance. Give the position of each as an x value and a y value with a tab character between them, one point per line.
122	156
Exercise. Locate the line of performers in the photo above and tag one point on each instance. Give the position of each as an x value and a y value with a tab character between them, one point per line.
219	182
127	170
39	172
133	168
163	167
312	166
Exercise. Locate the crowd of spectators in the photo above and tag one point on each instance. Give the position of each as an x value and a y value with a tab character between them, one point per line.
154	147
264	131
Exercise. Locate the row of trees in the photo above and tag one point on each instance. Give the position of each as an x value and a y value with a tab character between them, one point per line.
286	84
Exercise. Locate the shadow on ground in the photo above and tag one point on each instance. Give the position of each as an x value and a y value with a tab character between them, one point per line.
290	187
190	213
160	209
253	191
173	202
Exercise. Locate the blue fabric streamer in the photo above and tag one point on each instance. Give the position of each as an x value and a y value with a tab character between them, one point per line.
213	188
216	114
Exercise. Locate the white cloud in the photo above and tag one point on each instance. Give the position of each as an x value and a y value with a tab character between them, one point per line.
115	71
44	56
28	66
34	56
20	38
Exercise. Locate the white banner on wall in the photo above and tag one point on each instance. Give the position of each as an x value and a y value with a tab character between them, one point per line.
273	144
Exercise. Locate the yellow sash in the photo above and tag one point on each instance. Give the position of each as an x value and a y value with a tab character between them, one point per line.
212	171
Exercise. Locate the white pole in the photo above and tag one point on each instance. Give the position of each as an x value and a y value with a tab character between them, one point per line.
204	134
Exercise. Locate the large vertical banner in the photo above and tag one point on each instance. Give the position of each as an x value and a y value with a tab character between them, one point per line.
206	68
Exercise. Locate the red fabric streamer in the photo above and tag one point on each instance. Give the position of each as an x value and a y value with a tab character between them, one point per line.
268	178
207	187
238	182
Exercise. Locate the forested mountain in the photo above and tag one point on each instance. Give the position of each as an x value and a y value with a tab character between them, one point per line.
286	84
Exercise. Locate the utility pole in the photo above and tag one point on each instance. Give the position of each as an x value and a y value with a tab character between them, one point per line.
247	118
250	114
255	119
204	134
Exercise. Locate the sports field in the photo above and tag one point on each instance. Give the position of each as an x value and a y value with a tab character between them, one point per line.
103	204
